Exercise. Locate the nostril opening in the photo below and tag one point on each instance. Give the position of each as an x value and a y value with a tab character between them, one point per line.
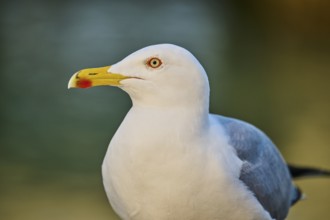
92	74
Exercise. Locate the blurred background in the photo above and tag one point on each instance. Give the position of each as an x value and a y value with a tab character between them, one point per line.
268	63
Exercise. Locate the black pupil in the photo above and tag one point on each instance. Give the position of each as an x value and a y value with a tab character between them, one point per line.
154	62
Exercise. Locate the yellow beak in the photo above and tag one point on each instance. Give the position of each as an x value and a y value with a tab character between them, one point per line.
95	77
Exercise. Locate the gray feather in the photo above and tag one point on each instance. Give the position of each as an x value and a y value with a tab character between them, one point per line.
264	171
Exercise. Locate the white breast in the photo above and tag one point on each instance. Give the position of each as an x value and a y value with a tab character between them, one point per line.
155	171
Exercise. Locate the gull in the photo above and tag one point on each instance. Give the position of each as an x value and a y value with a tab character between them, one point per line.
171	159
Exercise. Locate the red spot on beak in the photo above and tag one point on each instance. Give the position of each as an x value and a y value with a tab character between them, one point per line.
84	83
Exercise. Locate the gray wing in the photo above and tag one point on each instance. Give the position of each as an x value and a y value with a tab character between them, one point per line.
264	171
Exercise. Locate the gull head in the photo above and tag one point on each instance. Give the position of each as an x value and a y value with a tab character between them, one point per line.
158	75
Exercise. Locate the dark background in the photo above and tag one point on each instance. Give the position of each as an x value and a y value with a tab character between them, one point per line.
268	63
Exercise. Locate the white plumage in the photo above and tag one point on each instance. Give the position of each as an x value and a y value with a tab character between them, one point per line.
170	159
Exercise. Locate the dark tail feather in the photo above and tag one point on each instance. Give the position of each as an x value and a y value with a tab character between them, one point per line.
298	172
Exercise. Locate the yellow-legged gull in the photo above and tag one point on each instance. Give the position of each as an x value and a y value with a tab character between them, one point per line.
171	159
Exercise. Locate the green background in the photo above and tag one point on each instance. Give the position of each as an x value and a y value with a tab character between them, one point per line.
268	63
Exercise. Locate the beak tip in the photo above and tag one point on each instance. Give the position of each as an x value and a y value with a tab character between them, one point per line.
72	81
70	85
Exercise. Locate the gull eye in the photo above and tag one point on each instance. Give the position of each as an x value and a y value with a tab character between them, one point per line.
154	62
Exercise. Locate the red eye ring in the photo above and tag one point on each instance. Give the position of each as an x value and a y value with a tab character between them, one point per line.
154	62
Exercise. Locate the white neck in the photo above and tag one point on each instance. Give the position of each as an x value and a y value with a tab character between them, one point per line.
182	118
